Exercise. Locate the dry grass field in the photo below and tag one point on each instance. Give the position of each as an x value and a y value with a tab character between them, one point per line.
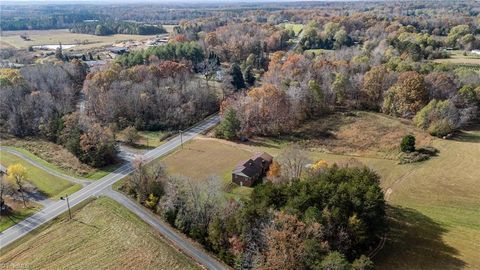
434	206
53	37
101	235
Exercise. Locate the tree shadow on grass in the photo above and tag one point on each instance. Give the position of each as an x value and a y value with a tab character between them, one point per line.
470	133
415	242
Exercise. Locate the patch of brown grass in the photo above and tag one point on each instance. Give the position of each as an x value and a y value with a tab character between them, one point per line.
202	158
360	134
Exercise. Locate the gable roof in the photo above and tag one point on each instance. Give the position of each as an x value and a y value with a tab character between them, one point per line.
252	166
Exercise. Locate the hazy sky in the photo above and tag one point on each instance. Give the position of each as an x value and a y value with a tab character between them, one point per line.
159	1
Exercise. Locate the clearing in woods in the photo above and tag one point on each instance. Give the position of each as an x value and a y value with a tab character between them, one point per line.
120	238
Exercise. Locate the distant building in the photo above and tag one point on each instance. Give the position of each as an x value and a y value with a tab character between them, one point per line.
248	172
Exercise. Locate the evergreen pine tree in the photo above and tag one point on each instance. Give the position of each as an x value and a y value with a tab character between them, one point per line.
249	77
237	77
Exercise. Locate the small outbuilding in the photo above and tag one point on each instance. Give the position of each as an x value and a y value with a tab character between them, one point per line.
248	172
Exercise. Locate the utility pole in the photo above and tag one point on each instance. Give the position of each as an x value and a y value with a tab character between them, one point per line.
181	138
68	205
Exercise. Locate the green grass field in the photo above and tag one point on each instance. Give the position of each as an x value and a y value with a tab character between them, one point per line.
434	206
101	235
50	185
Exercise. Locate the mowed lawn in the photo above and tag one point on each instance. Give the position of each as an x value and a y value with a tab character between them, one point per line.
434	206
49	185
435	211
101	235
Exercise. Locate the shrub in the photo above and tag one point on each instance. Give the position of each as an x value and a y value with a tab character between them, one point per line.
408	144
439	117
363	263
334	261
440	128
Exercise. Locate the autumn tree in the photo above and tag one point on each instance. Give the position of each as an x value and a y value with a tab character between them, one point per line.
17	174
407	96
147	182
274	172
131	135
456	34
98	146
375	82
286	241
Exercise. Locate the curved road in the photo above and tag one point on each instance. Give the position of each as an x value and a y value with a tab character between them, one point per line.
37	164
98	187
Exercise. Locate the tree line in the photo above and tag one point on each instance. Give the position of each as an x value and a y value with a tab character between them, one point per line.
105	28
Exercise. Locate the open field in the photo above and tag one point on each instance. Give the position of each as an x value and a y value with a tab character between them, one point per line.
434	207
296	27
53	37
147	139
50	185
436	210
120	240
56	157
458	57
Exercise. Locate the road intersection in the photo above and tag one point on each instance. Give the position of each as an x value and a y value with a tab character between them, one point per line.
103	186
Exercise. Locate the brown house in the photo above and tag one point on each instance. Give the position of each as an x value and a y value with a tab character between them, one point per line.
248	172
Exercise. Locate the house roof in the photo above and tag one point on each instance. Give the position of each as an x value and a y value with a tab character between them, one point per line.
252	166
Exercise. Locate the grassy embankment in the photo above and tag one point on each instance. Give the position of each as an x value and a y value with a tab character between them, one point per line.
49	185
56	157
119	239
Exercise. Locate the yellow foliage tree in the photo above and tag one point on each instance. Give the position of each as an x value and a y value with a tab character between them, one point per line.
319	165
17	173
274	170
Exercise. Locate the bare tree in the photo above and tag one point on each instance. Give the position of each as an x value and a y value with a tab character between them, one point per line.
293	161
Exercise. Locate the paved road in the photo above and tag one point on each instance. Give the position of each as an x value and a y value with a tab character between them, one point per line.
35	163
95	188
189	249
